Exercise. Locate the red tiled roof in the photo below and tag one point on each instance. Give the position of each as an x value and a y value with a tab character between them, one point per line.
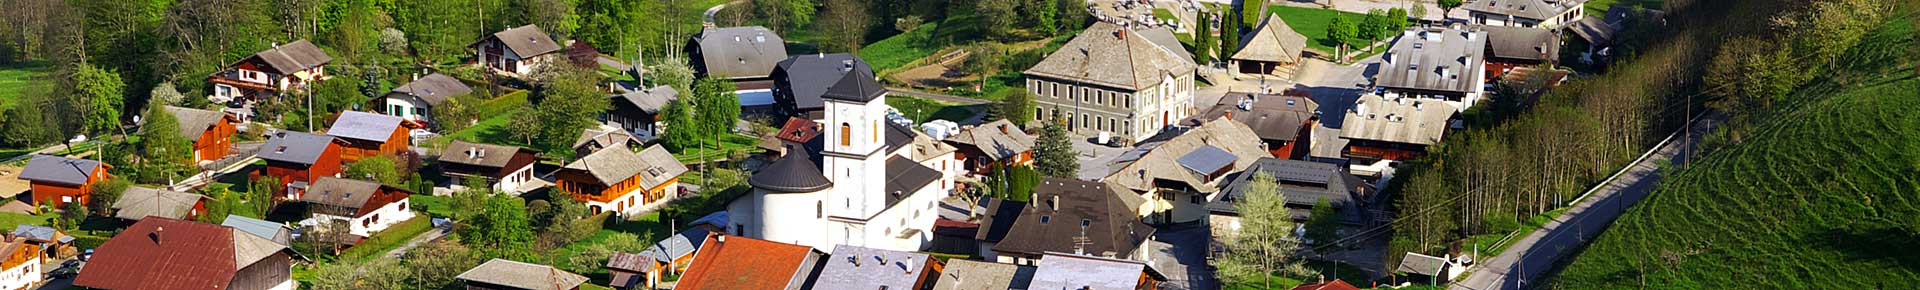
799	130
1336	284
744	263
163	253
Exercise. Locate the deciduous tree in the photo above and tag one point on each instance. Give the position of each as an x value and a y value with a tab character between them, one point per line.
845	25
1323	225
1342	31
381	168
1264	243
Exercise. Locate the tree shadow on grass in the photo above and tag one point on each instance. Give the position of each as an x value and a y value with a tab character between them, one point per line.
1887	244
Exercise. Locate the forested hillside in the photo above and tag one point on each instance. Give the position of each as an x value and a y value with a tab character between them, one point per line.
1816	187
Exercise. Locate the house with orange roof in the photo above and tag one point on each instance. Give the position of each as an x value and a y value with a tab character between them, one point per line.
732	262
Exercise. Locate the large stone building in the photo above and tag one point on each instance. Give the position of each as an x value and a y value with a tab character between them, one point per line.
1114	80
863	184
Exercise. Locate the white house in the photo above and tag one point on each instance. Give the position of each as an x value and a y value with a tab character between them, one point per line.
366	207
1548	14
21	269
414	101
867	190
508	169
295	65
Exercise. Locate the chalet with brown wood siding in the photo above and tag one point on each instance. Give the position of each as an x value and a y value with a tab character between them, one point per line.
369	134
298	159
57	180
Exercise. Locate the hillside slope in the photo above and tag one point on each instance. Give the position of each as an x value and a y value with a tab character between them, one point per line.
1824	196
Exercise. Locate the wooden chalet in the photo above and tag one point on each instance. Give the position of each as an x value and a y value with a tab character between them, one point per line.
211	131
987	146
369	134
506	168
292	66
620	180
298	159
516	51
56	181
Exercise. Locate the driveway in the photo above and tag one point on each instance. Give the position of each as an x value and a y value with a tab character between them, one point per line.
1180	252
1094	158
1335	88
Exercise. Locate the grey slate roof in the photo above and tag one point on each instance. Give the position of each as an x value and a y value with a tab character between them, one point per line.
1160	160
977	275
276	232
294	56
652	166
1303	183
1164	37
340	192
1530	9
1408	120
794	173
1523	43
522	275
898	136
41	233
56	169
1104	54
194	121
140	202
1272	41
1594	30
855	267
998	139
1273	117
364	126
650	100
1435	59
479	154
603	139
527	41
740	52
1069	271
295	147
1113	226
435	88
904	177
808	77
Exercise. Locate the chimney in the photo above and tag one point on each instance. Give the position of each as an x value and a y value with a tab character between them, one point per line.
416	76
846	65
156	234
1003	129
1122	34
1055	204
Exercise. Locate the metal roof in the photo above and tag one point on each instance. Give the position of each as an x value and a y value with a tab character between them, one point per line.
295	147
1160	160
793	173
1416	263
276	232
49	168
364	126
1206	159
1068	271
905	177
856	86
41	233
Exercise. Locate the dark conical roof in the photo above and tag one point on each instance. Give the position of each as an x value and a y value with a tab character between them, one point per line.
857	86
792	173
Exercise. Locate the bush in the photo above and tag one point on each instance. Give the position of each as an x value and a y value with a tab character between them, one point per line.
503	104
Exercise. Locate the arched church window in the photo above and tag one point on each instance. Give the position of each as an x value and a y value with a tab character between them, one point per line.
846	134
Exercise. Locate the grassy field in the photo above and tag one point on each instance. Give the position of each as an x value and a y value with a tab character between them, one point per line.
1312	23
1599	7
490	131
1820	193
17	79
922	110
1349	273
1163	14
10	220
727	143
902	49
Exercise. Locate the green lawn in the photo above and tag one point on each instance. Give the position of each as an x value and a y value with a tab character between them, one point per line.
1492	244
491	131
17	79
728	142
388	239
1819	194
1349	273
922	110
1312	23
10	220
1163	14
1599	7
434	206
902	49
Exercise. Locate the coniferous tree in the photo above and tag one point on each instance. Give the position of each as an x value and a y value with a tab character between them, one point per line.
1053	152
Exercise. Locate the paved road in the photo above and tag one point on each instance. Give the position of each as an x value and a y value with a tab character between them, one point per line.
1523	263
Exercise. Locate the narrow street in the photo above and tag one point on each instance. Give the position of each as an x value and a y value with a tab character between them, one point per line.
1520	265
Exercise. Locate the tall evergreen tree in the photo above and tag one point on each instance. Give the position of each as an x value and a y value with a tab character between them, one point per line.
1229	35
1053	152
1203	39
